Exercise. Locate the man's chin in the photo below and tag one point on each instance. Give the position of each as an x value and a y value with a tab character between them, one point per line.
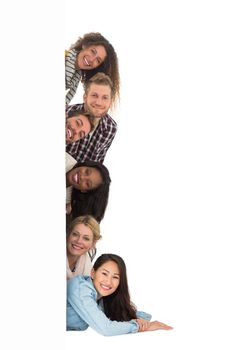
98	114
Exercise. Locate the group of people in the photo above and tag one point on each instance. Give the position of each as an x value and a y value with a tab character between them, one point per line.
97	294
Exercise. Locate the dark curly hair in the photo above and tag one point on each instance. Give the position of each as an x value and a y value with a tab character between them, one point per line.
110	64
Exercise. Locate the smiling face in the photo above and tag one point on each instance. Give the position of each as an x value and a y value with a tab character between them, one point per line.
97	100
80	240
91	57
84	178
77	127
106	278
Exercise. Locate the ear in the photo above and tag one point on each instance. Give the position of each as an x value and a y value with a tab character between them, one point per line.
92	273
84	97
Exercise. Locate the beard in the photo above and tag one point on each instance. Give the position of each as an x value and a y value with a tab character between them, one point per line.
96	113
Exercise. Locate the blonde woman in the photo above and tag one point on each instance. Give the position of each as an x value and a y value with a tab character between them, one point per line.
82	235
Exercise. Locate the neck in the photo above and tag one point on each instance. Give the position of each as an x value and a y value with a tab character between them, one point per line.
98	295
76	63
72	260
67	181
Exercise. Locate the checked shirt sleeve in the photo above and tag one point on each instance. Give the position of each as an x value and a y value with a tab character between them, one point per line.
101	141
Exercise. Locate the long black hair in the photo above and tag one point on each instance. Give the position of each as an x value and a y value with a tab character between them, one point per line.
117	306
93	202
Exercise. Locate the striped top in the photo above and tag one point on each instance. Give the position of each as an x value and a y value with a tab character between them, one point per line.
73	76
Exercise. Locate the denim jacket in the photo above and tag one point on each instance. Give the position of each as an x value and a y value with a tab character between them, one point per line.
83	310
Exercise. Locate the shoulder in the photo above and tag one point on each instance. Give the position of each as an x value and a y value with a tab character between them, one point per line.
80	289
70	162
80	283
108	122
71	53
109	119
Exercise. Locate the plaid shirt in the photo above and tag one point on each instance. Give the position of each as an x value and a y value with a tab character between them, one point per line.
93	146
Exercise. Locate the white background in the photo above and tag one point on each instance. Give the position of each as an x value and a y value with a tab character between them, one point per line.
170	208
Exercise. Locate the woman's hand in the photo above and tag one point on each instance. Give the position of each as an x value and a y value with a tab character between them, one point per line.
68	208
142	324
155	325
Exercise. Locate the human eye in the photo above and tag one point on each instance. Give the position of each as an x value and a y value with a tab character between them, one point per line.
88	171
86	238
74	233
93	50
88	184
81	134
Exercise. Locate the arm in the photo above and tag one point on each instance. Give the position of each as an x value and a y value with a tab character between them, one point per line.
100	153
81	296
155	325
143	320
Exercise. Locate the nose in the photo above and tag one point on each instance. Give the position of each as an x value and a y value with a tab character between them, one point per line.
92	57
98	101
75	130
83	177
78	239
93	60
108	280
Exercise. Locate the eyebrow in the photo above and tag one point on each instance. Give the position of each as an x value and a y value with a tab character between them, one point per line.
113	273
80	120
89	182
84	235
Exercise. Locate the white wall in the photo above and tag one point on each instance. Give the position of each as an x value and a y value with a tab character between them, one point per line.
171	193
174	145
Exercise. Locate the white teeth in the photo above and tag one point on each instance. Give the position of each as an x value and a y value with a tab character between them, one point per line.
76	178
86	61
105	287
75	246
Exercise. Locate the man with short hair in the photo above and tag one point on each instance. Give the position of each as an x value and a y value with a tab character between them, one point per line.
78	125
97	101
